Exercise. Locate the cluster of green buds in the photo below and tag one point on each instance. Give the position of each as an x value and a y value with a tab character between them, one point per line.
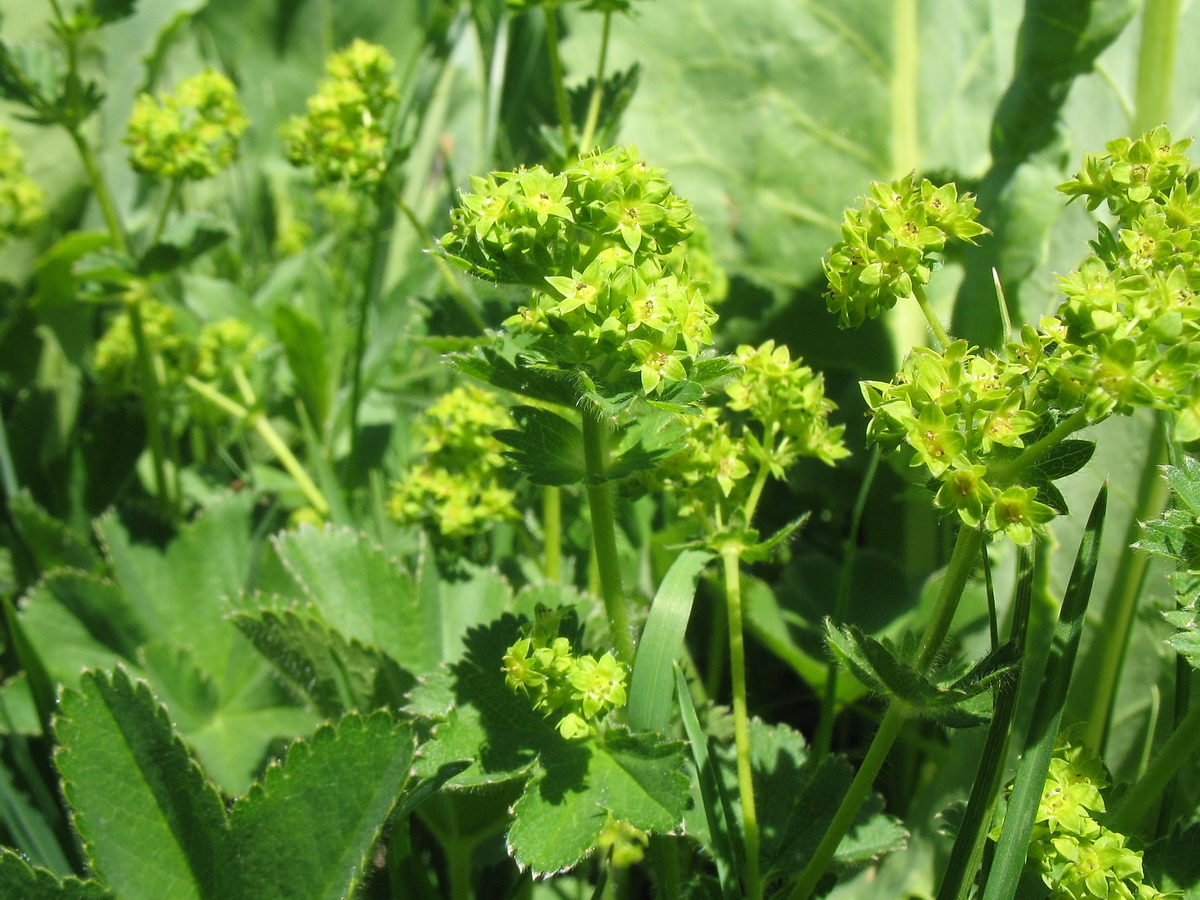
458	487
775	413
890	243
580	689
1129	325
594	245
22	202
344	134
191	134
1077	857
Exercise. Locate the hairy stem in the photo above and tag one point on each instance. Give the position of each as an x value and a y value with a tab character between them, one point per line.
108	209
962	562
939	332
731	562
270	436
604	535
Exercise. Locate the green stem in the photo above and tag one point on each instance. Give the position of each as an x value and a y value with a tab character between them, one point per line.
1112	638
552	532
823	742
593	113
153	411
1179	749
556	75
1156	64
856	796
270	436
604	535
939	332
161	222
458	861
962	562
1004	473
108	209
731	562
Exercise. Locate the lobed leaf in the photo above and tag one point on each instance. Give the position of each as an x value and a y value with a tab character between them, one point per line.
151	825
21	881
306	830
638	779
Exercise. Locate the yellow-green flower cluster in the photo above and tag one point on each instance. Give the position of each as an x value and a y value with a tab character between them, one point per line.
1129	326
211	353
1077	857
22	202
775	413
967	416
457	488
581	689
344	134
888	245
191	134
594	244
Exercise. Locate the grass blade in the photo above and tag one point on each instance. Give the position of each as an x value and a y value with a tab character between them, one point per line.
662	638
1047	714
716	805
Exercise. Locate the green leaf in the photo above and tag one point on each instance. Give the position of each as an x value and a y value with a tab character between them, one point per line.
1013	844
547	448
188	237
797	797
52	542
1172	863
308	349
1057	44
961	704
714	799
152	827
481	718
20	881
111	10
181	594
337	674
652	684
56	280
306	831
633	778
645	442
1186	639
1066	458
502	366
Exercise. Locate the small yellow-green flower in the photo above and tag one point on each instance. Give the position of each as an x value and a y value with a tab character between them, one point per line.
22	202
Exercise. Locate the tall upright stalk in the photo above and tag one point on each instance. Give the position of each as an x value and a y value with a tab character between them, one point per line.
604	534
731	563
1156	64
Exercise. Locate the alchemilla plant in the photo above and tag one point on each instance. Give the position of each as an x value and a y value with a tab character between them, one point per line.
437	465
